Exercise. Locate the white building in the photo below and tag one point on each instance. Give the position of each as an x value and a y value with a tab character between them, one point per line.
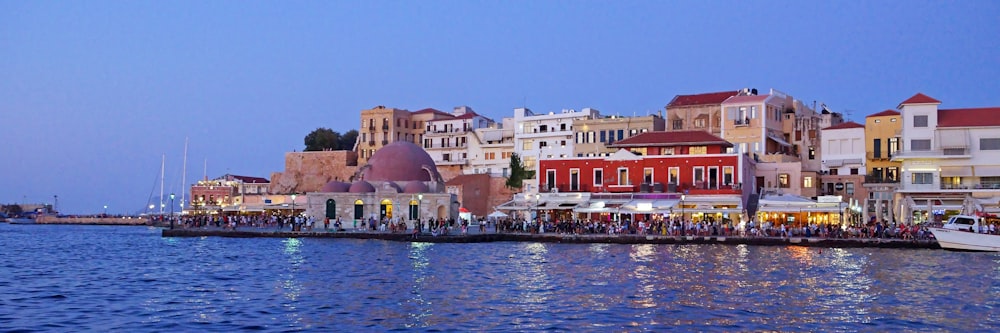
540	136
843	148
447	139
490	149
950	160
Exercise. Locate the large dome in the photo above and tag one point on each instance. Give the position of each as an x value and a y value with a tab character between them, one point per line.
401	161
361	187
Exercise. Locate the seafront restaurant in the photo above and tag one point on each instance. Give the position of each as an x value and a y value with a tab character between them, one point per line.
797	211
653	175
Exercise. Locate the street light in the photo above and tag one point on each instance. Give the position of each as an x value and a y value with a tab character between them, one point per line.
294	219
171	211
682	214
538	215
105	210
420	202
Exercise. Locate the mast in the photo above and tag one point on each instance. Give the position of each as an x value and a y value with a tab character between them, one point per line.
184	174
163	162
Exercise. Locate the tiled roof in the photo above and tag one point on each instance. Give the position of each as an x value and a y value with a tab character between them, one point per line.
701	99
432	110
849	124
248	179
672	138
975	117
889	112
920	98
746	99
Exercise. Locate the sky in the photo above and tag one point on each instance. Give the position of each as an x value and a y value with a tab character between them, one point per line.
93	94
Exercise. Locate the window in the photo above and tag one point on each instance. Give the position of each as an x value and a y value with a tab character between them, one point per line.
598	177
543	144
698	150
647	175
919	121
562	143
562	127
621	135
892	120
893	146
878	121
667	151
783	180
526	145
989	144
854	171
678	124
833	171
699	176
550	179
727	175
674	174
623	176
922	144
876	148
849	187
700	123
603	138
812	153
574	179
807	182
923	178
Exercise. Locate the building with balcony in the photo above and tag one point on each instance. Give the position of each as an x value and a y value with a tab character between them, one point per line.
447	139
381	126
594	136
228	193
490	148
950	160
702	112
653	175
843	164
546	136
882	142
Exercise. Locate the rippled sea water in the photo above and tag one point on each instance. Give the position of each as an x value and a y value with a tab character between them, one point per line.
103	278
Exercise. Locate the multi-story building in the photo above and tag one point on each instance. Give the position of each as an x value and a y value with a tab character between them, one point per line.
950	160
843	165
781	134
702	112
227	193
595	135
654	174
546	136
381	126
490	148
882	135
447	139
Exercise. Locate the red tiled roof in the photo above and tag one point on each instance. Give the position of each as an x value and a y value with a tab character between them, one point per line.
746	99
920	98
701	99
432	110
975	117
849	124
672	138
889	112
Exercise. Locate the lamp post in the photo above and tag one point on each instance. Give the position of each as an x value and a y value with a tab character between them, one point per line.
171	211
420	203
682	214
294	220
538	215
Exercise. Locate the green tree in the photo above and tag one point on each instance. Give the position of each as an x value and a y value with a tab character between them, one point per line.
517	173
323	139
347	140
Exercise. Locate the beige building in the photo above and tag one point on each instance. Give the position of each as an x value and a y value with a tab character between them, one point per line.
882	142
381	126
701	112
595	134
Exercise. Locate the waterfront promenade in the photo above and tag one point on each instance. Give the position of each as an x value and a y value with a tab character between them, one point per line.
491	236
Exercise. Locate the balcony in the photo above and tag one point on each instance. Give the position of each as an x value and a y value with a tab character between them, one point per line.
878	179
371	143
879	156
385	127
385	142
946	153
741	122
371	128
979	186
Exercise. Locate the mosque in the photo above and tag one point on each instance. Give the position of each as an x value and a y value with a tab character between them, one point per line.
400	182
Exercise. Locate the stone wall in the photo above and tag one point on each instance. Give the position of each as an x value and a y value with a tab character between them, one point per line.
480	193
309	171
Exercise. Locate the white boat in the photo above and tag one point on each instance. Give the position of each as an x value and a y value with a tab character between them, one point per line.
961	233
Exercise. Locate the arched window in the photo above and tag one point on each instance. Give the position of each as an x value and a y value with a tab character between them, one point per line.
385	209
331	209
414	210
359	209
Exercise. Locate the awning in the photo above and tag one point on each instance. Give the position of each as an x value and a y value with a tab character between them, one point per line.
988	171
513	205
834	163
956	171
609	208
492	135
715	210
554	205
778	139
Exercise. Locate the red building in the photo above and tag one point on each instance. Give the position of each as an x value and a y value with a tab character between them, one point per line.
678	172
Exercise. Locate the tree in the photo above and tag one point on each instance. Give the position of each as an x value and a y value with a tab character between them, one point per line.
517	173
323	139
347	140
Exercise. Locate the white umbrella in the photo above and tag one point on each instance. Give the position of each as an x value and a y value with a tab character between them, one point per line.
497	214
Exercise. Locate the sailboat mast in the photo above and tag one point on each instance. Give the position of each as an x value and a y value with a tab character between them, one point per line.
184	174
163	163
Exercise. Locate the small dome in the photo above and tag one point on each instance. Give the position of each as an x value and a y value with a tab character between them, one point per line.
361	187
401	161
416	187
336	187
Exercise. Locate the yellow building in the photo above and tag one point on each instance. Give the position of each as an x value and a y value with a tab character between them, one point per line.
702	112
882	141
381	126
594	135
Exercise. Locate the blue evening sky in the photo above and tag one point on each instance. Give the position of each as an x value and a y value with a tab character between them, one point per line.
93	93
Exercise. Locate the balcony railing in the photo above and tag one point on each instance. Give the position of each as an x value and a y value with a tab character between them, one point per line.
980	186
879	156
878	179
742	122
385	127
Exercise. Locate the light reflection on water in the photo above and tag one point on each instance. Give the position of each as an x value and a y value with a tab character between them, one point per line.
60	278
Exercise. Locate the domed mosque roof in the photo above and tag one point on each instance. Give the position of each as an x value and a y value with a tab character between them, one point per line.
361	187
336	187
416	187
401	161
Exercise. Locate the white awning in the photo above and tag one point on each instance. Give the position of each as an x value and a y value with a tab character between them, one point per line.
513	205
833	163
956	171
988	171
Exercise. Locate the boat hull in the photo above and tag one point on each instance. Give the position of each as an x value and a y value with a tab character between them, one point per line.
20	220
951	239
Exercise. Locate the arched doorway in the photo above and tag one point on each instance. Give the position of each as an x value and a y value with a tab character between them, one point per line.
331	209
359	209
443	212
385	209
414	210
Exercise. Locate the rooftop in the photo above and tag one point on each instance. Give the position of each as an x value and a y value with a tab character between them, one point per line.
849	124
672	138
974	117
920	98
746	99
701	99
889	112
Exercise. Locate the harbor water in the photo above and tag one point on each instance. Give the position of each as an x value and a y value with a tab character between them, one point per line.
130	279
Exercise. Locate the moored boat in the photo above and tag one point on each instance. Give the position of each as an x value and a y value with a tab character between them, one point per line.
962	233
